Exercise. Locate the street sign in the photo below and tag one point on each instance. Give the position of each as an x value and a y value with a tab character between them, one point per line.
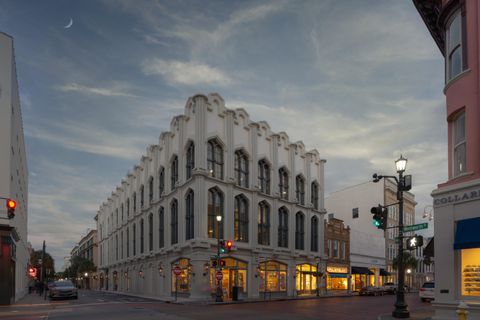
177	270
219	275
415	227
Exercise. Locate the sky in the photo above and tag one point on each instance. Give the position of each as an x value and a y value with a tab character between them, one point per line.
360	81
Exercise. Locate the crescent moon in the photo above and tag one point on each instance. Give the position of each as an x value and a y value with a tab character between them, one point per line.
69	24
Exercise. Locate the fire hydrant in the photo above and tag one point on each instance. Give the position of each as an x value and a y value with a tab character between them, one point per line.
462	310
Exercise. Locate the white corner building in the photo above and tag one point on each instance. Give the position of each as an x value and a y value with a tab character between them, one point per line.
14	248
214	162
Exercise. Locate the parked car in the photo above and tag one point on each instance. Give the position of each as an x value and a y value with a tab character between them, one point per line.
63	289
427	291
371	291
389	287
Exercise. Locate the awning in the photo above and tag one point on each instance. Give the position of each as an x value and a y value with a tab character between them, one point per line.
467	235
361	270
338	275
385	273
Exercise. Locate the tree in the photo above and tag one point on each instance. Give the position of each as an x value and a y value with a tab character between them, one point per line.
48	263
409	262
79	265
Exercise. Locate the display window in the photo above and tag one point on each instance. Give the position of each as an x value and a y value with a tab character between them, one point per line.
273	276
181	283
471	272
306	278
234	275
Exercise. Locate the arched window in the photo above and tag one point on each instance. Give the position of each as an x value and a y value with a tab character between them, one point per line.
283	183
161	227
134	202
150	232
314	195
161	181
116	217
241	169
174	221
189	219
116	247
241	219
142	236
215	208
454	55
264	176
190	160
150	189
300	189
174	172
299	231
128	243
215	159
142	196
121	245
128	207
121	210
314	232
134	236
283	227
263	224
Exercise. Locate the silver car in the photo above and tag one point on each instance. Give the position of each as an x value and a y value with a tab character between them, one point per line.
427	291
63	289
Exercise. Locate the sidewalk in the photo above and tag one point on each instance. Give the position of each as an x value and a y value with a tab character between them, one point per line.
419	314
32	299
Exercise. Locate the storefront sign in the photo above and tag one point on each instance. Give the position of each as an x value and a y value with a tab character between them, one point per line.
337	269
456	198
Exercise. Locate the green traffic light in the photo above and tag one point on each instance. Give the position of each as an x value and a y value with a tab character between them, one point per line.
376	223
222	250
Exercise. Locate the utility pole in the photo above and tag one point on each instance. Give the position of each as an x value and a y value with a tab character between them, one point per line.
43	261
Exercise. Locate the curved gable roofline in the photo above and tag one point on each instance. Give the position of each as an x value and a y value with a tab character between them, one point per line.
243	112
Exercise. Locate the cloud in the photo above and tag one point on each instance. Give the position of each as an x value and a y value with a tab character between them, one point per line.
109	92
188	73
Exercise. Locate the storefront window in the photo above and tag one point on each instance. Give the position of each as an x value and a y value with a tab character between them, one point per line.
234	275
306	278
273	276
182	281
337	278
471	272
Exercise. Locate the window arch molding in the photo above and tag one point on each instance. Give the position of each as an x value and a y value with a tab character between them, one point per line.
283	182
189	152
300	188
215	157
242	167
264	175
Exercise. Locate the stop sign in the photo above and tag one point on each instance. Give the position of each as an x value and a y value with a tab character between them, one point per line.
177	270
219	275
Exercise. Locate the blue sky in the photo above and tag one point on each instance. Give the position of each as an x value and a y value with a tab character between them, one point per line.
362	80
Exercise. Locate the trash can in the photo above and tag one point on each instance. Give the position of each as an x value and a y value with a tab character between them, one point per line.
235	291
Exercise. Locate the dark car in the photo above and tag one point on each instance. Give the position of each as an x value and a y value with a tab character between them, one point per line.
371	291
63	289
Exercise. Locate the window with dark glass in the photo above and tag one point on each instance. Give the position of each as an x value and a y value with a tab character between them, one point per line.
283	183
134	236
121	210
142	196
174	221
116	247
161	181
128	243
454	54
142	234
190	160
189	219
283	227
161	227
314	232
264	176
314	195
241	219
134	202
174	172
354	213
215	208
121	245
150	189
241	169
128	207
459	145
215	159
150	232
299	231
263	224
300	189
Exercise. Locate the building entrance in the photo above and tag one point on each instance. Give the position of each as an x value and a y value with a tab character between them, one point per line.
234	278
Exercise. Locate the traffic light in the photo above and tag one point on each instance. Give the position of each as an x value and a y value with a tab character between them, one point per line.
223	249
380	215
11	205
32	272
414	242
228	245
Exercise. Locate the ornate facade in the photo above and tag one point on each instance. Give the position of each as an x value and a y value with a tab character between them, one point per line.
215	162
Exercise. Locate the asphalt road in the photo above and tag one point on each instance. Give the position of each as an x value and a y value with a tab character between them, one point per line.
103	306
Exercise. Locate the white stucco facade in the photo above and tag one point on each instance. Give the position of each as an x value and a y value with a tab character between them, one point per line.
13	172
261	263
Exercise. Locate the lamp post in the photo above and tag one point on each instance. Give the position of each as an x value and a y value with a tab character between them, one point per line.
401	308
219	291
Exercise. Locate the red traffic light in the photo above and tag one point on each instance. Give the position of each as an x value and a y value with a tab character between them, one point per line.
11	204
32	272
229	244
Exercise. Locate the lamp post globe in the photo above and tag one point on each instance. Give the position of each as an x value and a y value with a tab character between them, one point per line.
401	164
219	218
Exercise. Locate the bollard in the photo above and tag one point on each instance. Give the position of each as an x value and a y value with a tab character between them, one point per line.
462	310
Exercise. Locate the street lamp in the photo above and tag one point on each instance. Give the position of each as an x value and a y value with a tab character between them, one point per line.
219	291
401	308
